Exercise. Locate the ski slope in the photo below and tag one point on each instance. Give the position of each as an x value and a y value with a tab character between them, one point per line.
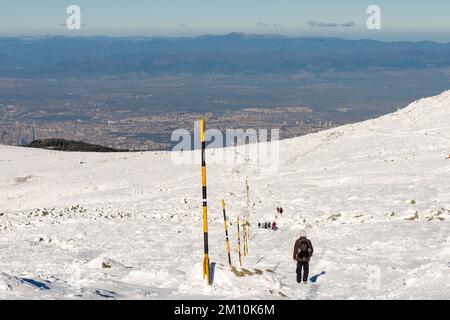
374	198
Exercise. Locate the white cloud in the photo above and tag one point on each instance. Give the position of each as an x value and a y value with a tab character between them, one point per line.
320	24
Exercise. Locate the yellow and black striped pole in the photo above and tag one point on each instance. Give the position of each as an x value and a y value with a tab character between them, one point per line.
239	242
245	236
226	231
206	266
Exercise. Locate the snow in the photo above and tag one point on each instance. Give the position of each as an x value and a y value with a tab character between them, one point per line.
374	198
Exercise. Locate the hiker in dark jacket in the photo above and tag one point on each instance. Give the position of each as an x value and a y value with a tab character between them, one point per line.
303	250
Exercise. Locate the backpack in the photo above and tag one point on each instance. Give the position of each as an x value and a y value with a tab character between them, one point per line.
304	246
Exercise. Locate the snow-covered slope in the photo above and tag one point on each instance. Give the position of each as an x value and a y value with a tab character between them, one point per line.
374	197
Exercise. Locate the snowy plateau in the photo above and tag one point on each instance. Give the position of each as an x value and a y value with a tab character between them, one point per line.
374	198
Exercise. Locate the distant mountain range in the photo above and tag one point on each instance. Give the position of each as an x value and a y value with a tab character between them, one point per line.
228	54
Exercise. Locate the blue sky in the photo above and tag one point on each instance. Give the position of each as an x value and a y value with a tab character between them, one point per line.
401	19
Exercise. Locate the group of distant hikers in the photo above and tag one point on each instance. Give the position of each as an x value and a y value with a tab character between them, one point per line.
271	225
268	225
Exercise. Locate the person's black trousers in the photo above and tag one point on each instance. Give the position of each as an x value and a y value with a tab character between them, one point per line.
305	266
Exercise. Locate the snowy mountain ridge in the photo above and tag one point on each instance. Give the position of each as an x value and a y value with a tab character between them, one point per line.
373	196
424	113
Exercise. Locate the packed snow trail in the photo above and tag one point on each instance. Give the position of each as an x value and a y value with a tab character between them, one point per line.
373	196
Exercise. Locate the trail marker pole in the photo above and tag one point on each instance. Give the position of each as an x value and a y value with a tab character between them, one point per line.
239	243
226	231
246	224
206	265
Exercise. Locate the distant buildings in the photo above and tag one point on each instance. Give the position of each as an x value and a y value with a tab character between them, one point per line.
149	132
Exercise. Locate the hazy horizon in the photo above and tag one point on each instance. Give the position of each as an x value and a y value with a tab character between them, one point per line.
400	20
213	35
